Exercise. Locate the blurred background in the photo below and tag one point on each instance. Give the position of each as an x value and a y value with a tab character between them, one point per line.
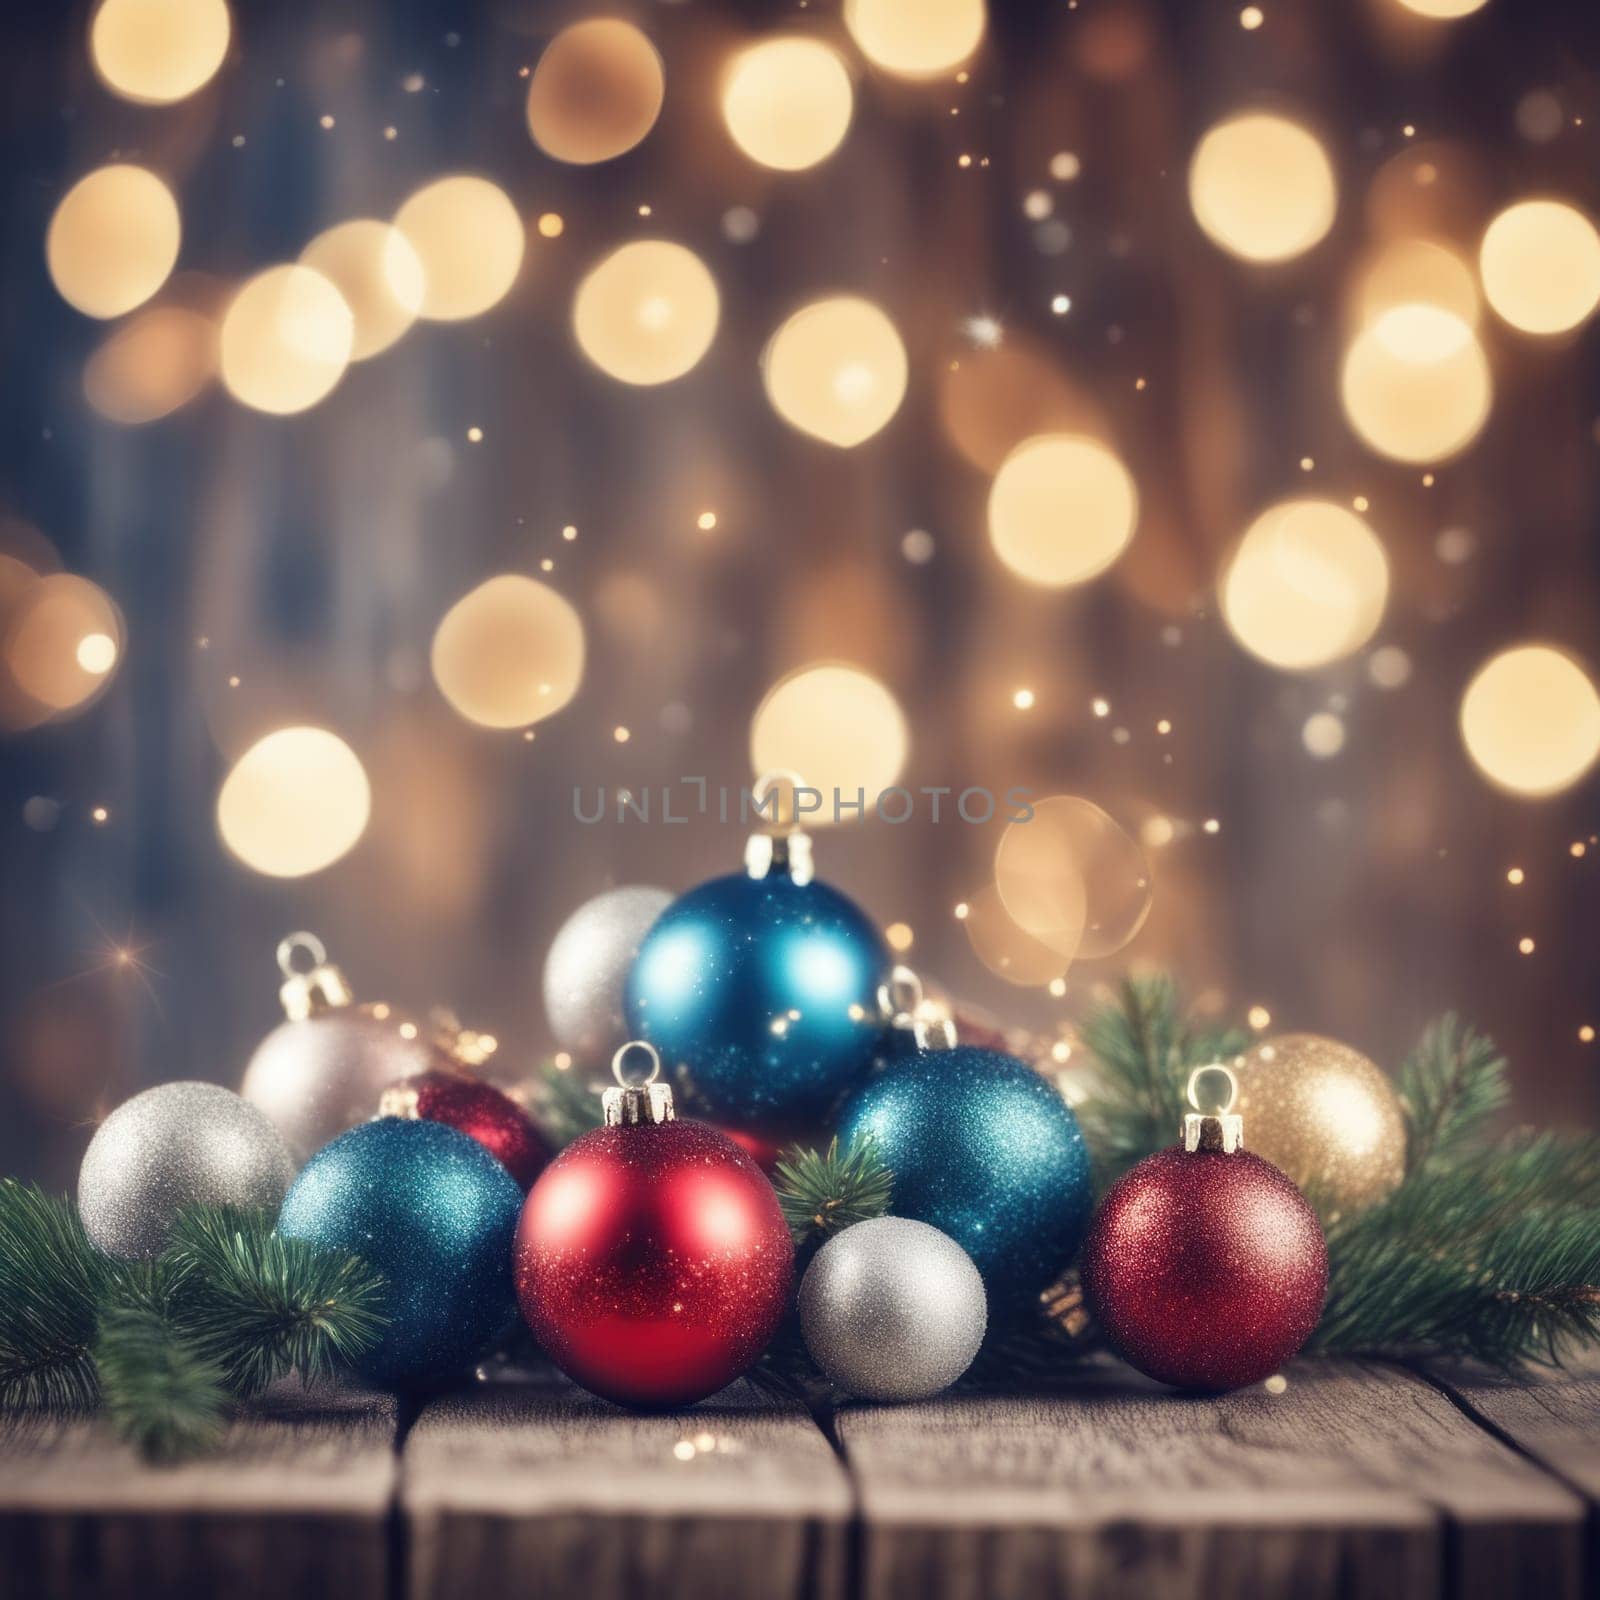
1191	410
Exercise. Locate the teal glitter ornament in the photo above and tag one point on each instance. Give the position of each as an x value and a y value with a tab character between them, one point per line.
436	1214
986	1150
760	990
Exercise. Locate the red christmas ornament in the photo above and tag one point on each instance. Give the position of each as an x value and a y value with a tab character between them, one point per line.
1204	1266
652	1261
477	1109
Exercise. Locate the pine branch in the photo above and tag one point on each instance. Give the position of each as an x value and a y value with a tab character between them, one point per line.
823	1193
1146	1048
51	1282
565	1102
159	1393
1451	1085
259	1306
1495	1257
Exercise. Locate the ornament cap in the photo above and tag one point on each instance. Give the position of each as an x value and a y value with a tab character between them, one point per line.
308	990
903	1005
631	1105
1221	1129
400	1100
783	846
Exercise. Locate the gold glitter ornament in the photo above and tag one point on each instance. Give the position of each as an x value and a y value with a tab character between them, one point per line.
1326	1116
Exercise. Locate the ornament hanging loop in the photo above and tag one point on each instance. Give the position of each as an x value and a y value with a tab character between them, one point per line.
647	1101
782	846
903	1005
309	989
1219	1130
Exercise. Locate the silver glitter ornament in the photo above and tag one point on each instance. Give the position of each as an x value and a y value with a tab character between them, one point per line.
892	1309
181	1144
325	1068
588	964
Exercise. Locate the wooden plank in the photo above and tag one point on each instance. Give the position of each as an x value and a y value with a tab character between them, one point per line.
1355	1481
540	1489
297	1502
1551	1417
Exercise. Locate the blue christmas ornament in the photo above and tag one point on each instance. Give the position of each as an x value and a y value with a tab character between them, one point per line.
436	1214
986	1150
761	995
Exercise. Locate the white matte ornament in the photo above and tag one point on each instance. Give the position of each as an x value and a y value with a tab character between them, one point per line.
324	1069
892	1309
181	1144
588	964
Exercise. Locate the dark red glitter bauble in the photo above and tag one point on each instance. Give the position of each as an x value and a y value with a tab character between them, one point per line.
1205	1270
653	1262
477	1109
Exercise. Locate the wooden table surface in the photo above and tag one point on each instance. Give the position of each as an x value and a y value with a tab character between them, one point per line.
1358	1479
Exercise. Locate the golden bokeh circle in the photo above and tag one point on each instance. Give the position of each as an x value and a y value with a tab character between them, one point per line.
1540	261
294	802
836	369
157	51
113	240
787	102
835	726
63	641
1443	10
1008	951
509	653
1416	271
1306	585
1073	878
1262	187
1416	385
469	239
647	313
156	362
916	38
1530	719
596	91
286	340
1325	1116
1062	508
379	275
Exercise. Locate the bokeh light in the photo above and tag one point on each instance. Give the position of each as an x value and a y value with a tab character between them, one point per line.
286	340
647	313
113	240
1008	951
1417	272
837	728
294	803
1307	585
916	38
1062	508
836	369
62	641
787	102
1416	384
1444	10
156	362
379	275
991	399
158	51
1073	878
509	653
1540	262
469	239
1262	187
596	91
1530	720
